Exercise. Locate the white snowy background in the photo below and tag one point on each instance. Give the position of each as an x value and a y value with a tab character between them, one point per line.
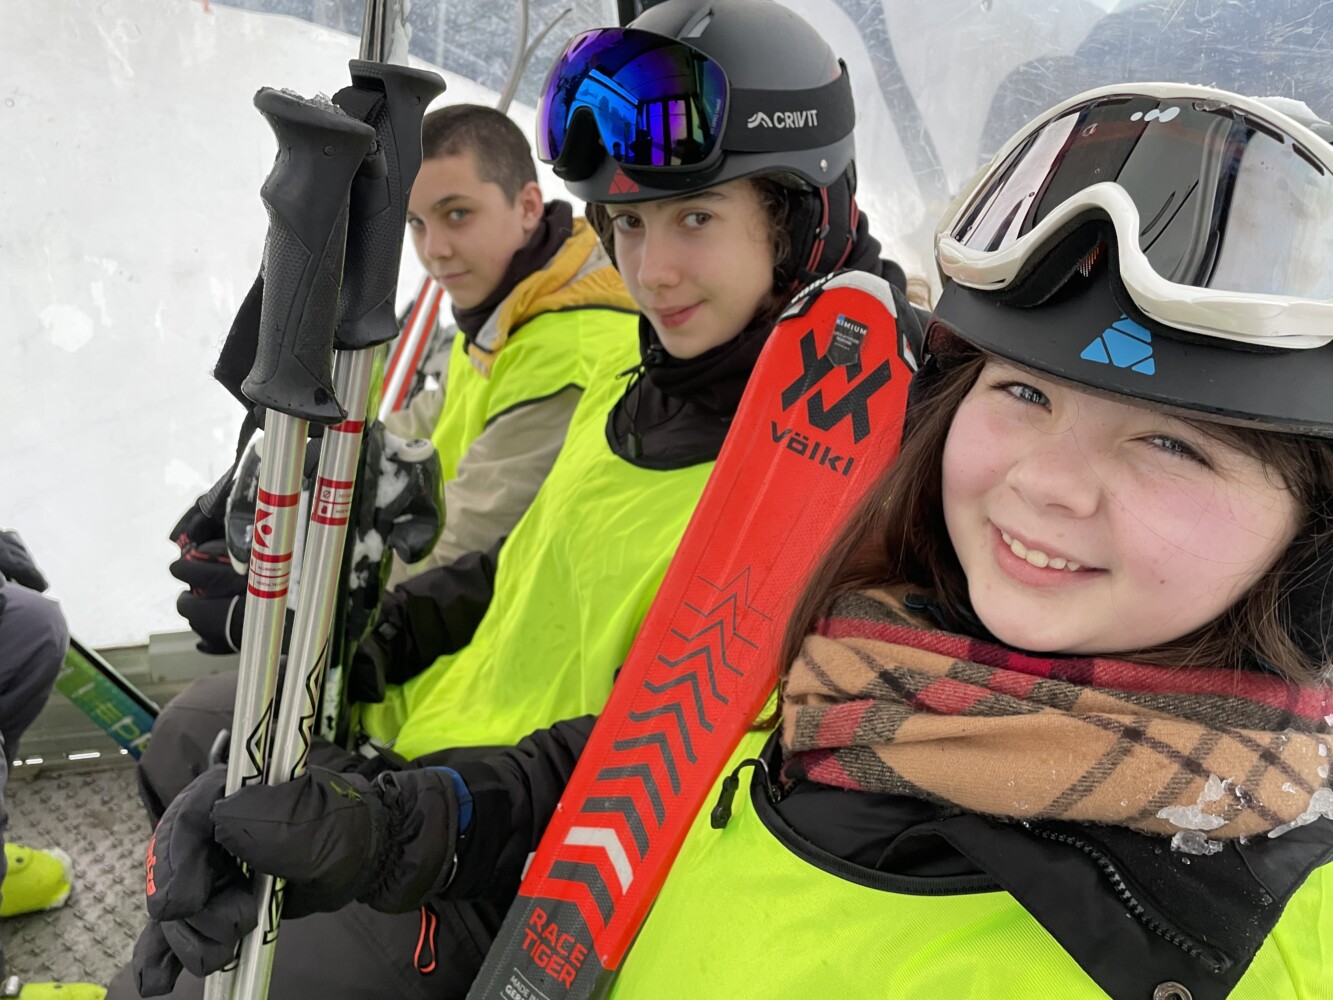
131	227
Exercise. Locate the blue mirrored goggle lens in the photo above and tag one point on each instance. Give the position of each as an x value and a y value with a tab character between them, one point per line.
656	102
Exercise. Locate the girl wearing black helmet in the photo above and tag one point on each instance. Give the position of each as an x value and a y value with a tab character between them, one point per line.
714	220
721	183
712	224
660	125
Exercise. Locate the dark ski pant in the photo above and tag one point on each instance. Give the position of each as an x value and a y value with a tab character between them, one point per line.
33	642
352	954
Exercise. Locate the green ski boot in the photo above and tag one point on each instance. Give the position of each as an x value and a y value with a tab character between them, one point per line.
12	987
35	880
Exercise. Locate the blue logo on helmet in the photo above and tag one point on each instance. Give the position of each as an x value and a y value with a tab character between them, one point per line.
1125	344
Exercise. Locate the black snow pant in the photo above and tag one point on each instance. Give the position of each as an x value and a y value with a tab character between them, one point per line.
33	641
352	954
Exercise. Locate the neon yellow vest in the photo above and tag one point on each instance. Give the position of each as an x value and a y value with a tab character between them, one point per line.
742	917
550	352
573	585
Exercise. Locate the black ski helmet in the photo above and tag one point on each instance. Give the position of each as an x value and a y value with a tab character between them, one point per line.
790	117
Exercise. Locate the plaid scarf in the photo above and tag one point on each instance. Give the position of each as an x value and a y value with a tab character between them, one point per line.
876	702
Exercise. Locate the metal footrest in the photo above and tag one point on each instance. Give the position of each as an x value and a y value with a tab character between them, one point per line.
96	818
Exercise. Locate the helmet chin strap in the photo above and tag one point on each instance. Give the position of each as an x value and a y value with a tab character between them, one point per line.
825	219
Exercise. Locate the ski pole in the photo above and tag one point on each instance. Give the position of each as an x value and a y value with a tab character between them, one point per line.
407	353
392	100
320	148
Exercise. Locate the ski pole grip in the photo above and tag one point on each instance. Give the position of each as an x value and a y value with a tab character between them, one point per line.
320	149
392	99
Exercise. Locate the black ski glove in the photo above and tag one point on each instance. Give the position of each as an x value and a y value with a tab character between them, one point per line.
407	518
335	837
195	527
17	564
200	905
215	603
409	492
372	665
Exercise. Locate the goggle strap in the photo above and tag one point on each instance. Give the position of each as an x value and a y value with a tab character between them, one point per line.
767	121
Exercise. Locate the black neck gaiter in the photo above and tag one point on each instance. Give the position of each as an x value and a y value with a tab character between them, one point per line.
676	412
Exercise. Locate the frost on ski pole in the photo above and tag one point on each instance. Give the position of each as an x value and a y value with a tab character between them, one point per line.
321	101
402	31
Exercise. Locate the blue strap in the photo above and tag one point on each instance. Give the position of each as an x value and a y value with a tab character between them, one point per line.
464	797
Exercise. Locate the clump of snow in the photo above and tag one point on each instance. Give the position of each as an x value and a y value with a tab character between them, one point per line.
1190	818
319	100
1195	817
1321	805
67	327
1194	842
1292	108
1213	789
366	555
391	482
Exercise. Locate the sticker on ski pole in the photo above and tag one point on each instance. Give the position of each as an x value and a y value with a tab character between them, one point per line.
270	558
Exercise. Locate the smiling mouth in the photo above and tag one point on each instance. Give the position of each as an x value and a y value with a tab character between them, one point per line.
675	317
1038	558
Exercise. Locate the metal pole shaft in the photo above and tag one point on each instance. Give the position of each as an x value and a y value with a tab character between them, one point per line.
309	649
372	32
265	612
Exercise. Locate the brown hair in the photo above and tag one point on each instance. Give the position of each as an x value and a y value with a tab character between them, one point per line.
898	535
498	146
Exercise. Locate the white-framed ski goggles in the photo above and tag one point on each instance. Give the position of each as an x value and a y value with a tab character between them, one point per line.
1222	209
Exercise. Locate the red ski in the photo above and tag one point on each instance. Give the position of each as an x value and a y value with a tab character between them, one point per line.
820	420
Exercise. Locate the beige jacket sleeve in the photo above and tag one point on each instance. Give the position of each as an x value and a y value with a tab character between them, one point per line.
497	479
419	418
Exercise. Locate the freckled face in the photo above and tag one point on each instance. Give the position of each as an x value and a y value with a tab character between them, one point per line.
1086	525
